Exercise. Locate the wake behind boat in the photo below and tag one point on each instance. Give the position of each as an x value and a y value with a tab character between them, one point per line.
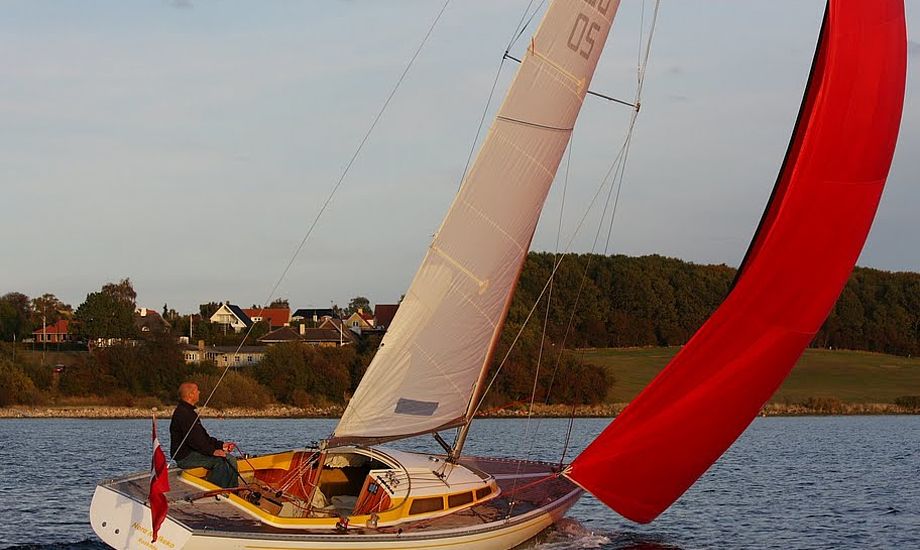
430	371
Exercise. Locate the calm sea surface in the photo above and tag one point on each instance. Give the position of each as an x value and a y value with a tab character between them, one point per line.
831	482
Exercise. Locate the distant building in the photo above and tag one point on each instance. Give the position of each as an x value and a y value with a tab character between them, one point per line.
224	356
281	336
328	334
148	321
328	337
383	315
276	317
359	321
53	334
314	315
231	316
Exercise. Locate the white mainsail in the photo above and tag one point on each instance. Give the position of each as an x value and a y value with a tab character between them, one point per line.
440	342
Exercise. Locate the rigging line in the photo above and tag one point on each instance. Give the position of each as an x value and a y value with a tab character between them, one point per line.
613	99
620	162
549	299
543	291
610	172
648	48
621	167
619	186
641	72
643	66
568	436
549	303
581	287
482	120
589	92
639	46
520	31
332	193
362	143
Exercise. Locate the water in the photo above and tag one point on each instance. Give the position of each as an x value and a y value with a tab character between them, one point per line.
832	482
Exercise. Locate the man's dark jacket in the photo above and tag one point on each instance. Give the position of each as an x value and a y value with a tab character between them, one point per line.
184	418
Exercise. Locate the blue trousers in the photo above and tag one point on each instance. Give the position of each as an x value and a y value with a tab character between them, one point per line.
221	471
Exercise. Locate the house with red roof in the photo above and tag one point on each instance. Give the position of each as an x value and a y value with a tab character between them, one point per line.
360	320
277	317
238	318
383	315
53	334
328	334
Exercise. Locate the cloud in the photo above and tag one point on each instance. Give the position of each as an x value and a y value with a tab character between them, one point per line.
181	4
913	48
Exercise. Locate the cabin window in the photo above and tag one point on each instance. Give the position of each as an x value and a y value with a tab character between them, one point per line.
425	505
483	493
459	499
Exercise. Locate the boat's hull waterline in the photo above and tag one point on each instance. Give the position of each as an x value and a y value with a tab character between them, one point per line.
532	499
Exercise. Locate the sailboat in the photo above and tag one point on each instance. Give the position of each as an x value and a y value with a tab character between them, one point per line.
352	491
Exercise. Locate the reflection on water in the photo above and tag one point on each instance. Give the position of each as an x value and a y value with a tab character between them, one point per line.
831	482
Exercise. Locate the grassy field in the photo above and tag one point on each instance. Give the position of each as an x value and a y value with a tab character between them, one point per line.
849	376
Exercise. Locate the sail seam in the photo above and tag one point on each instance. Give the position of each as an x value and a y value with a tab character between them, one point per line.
436	365
576	87
479	310
534	54
492	223
482	283
533	160
533	124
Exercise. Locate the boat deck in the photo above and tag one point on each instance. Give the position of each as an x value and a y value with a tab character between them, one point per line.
525	486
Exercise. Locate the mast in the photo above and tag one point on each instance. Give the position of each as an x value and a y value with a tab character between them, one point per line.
429	371
464	430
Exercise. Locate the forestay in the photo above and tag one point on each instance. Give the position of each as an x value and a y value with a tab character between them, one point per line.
435	353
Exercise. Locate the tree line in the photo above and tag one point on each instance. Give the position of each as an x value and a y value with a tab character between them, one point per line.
592	301
622	301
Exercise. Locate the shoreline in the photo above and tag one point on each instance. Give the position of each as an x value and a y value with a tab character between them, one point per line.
105	412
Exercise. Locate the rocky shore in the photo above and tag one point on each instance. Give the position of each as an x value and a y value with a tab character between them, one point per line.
516	411
104	411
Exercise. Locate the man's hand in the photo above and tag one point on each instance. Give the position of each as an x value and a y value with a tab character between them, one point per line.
229	446
220	452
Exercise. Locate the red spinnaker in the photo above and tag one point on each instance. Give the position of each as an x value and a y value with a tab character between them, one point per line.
159	484
802	254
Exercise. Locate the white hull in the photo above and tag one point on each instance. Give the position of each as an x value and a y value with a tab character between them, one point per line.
131	520
121	519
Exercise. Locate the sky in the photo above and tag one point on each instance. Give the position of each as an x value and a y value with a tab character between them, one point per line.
189	145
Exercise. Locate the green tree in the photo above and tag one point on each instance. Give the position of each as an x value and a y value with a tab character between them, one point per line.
284	370
294	372
280	303
51	308
358	302
104	315
15	316
207	310
16	388
122	291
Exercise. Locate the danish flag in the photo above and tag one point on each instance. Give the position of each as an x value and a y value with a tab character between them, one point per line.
159	484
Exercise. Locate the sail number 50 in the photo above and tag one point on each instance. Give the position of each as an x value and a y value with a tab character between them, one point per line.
583	34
